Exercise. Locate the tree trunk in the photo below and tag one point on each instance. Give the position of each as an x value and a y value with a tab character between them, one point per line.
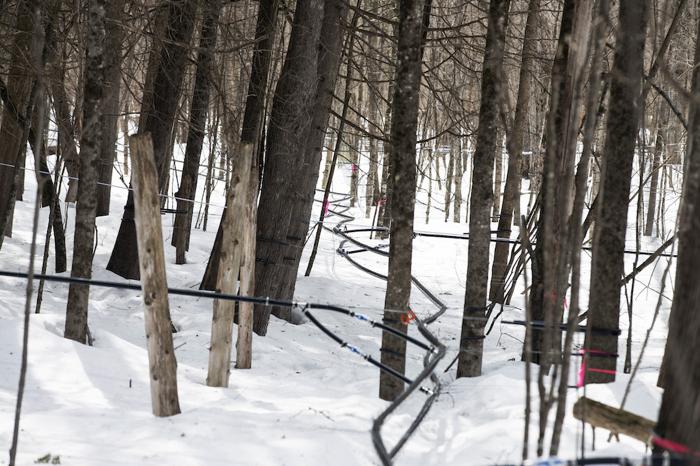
373	100
90	143
355	144
551	262
384	208
576	230
244	344
252	116
450	176
659	146
609	235
329	157
228	272
110	105
471	343
498	176
51	187
125	137
55	224
428	205
160	23
195	137
333	32
41	169
514	145
456	153
294	143
209	185
414	16
159	123
161	354
12	133
66	132
333	159
678	416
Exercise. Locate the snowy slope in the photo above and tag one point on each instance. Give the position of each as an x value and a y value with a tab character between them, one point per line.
306	401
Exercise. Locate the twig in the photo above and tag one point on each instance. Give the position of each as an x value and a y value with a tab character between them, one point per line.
40	109
528	345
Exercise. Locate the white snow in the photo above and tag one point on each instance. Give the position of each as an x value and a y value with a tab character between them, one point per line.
306	401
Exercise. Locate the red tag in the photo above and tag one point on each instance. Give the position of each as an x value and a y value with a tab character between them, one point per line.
408	317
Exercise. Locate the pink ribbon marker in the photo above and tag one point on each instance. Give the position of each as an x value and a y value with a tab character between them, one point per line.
673	447
670	445
326	206
582	370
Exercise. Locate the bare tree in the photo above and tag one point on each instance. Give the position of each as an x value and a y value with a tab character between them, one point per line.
159	121
110	111
514	145
199	111
90	143
471	342
294	143
13	134
678	416
252	125
414	17
611	223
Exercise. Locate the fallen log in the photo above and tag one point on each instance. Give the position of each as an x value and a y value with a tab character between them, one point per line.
617	421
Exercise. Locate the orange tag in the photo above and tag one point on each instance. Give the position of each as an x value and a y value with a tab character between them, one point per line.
408	317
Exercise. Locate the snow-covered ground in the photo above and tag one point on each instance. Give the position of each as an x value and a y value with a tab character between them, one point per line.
305	401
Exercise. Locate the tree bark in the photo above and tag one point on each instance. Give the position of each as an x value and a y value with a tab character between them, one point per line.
414	16
659	146
292	146
90	143
41	168
609	235
159	21
253	115
110	106
12	133
456	153
229	268
199	110
66	133
244	344
498	176
449	179
373	101
161	354
678	416
471	342
551	263
617	421
597	34
384	208
331	51
333	159
159	123
514	145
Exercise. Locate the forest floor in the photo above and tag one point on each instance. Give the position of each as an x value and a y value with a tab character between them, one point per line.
305	401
